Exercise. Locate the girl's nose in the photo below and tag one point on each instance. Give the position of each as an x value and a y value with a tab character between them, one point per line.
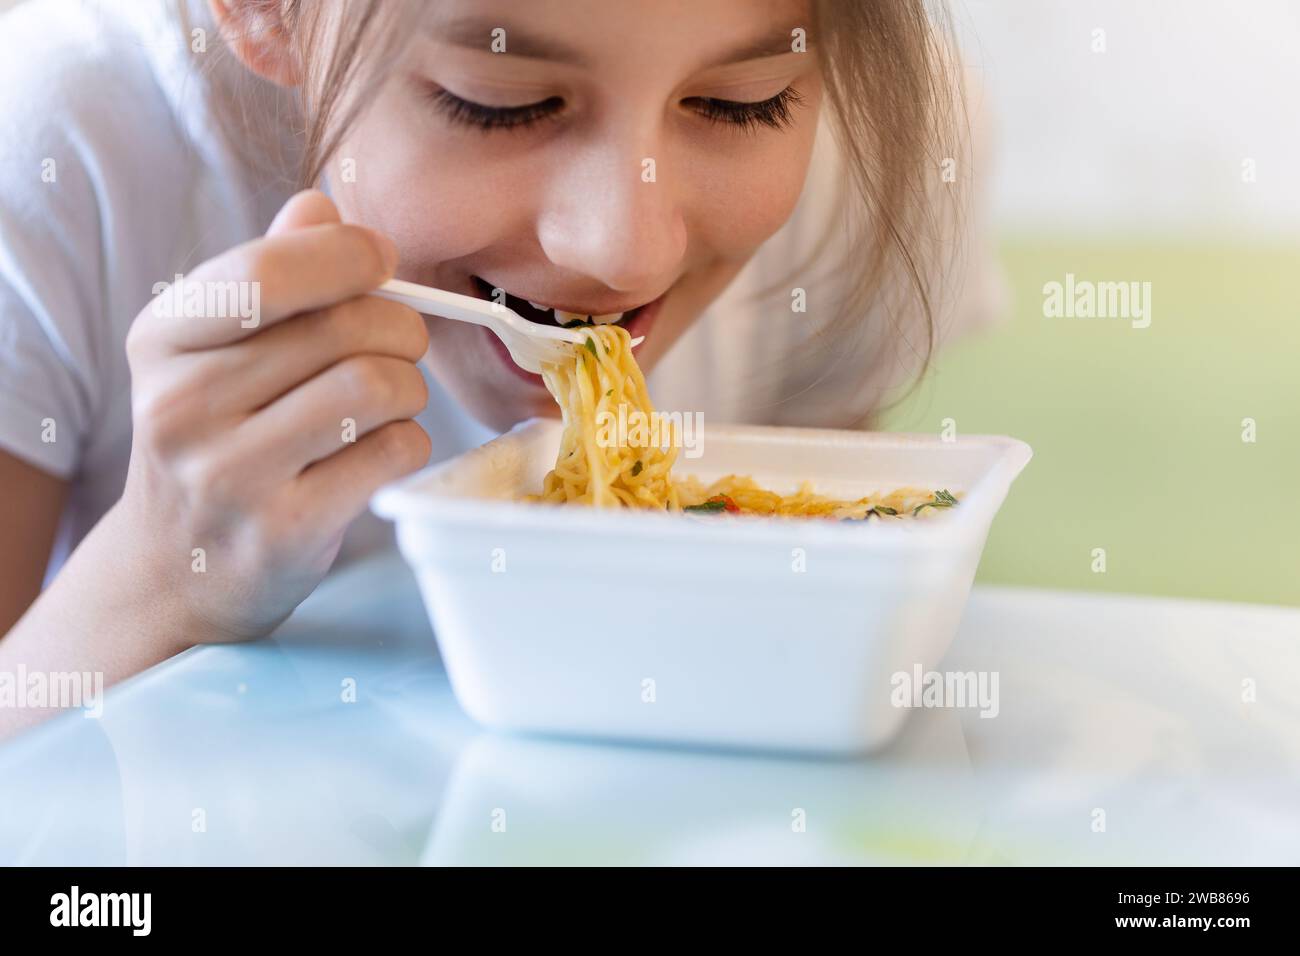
614	216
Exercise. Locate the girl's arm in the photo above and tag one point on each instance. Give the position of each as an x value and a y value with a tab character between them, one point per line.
29	517
104	614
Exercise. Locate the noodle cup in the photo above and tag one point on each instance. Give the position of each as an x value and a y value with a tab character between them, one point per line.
774	633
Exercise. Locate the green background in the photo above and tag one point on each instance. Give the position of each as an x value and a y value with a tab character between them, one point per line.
1137	433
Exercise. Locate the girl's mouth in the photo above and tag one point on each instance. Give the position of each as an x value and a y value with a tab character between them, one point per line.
637	321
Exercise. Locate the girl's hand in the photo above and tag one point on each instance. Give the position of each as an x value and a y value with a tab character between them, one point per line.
257	439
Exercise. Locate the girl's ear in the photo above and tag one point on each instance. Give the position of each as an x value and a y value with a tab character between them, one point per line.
256	33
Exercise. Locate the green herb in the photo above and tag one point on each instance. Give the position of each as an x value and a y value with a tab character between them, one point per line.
571	324
708	508
609	393
591	347
942	499
636	469
874	511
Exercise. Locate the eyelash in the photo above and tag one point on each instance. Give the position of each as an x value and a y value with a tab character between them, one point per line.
775	113
493	117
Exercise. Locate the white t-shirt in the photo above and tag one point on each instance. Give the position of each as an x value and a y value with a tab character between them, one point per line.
114	176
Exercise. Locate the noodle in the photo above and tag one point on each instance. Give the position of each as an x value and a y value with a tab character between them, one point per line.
602	386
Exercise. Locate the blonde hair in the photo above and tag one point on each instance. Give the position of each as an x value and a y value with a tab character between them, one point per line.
896	103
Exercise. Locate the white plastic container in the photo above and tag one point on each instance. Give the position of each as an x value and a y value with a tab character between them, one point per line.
733	631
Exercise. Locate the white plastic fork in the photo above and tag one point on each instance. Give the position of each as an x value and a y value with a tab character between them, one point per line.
529	343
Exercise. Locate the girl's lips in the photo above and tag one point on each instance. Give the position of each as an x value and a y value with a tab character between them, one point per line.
639	324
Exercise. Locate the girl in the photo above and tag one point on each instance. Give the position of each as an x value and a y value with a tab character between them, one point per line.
774	190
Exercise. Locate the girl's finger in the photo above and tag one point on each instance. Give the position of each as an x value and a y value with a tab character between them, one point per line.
343	483
324	414
247	375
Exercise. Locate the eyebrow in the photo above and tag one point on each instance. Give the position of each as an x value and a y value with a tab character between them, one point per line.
777	43
475	33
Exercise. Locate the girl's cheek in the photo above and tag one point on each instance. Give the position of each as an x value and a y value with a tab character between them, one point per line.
430	219
740	215
743	193
434	206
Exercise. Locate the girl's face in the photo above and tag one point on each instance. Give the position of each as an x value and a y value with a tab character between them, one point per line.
604	158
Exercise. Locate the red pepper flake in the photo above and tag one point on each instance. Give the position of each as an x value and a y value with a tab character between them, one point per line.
726	502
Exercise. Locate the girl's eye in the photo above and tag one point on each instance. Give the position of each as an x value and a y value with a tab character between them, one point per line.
494	117
776	112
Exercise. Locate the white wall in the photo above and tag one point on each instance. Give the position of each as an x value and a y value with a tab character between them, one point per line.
1150	135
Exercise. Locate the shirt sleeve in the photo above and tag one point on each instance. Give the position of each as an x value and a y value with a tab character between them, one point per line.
58	208
50	263
46	389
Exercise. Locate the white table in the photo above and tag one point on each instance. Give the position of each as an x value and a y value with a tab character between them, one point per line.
249	754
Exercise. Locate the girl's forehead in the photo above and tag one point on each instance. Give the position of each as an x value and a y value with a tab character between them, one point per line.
585	33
